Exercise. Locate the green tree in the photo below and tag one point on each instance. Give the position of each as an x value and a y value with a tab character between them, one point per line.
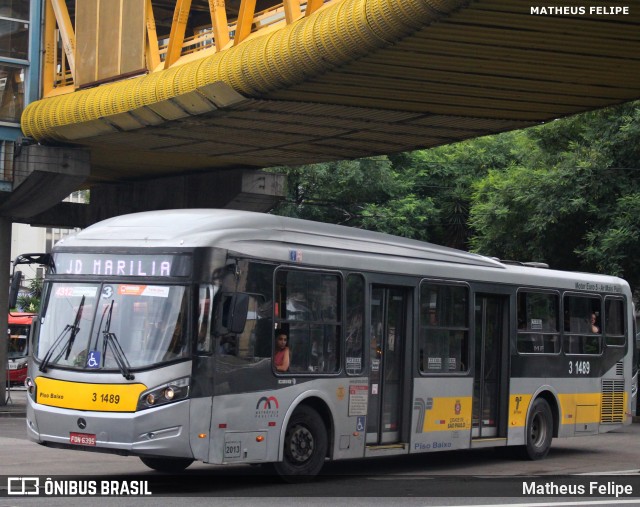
565	193
31	301
336	192
567	201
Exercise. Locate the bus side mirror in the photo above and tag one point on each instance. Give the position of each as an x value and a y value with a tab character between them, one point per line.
239	308
14	289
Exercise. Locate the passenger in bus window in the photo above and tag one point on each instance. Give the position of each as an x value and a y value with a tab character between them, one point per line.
594	327
281	357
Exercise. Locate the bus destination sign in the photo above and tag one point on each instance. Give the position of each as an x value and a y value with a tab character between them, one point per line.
106	264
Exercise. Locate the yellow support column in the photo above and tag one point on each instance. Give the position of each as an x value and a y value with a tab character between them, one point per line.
313	6
292	11
49	67
219	23
152	49
178	28
66	33
245	20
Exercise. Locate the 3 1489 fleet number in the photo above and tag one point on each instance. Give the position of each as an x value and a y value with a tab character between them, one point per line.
579	367
106	398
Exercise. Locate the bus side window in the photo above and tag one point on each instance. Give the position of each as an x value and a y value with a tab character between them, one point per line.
444	328
538	331
582	334
203	331
307	306
355	319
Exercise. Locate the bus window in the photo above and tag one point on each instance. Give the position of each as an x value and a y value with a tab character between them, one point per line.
308	313
444	329
203	324
355	319
254	342
614	321
582	327
538	331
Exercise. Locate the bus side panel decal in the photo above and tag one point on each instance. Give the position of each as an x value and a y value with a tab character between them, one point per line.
443	414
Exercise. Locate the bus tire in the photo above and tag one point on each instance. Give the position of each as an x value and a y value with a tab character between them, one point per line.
170	465
305	446
539	430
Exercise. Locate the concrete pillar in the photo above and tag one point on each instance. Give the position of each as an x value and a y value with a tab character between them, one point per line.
5	262
249	190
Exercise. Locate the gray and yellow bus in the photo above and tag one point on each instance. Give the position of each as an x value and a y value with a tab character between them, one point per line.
157	334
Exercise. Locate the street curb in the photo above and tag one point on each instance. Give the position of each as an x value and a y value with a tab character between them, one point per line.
13	413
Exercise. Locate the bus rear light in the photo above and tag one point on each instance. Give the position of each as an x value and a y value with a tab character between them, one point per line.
260	438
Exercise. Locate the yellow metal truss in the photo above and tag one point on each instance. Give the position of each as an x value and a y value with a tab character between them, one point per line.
333	34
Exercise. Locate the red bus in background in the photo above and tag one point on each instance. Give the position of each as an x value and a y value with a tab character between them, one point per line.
18	346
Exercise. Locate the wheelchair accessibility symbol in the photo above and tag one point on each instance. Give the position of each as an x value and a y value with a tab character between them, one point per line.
93	361
360	423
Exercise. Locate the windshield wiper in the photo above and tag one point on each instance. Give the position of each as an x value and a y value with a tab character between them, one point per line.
110	339
74	328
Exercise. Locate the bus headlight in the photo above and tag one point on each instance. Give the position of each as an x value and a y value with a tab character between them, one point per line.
31	387
175	390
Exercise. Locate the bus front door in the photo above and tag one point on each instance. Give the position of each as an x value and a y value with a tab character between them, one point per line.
491	324
388	337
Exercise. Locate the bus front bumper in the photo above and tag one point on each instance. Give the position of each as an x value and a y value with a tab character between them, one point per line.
160	431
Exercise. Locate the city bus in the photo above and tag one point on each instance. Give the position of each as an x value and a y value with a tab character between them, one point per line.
18	347
157	338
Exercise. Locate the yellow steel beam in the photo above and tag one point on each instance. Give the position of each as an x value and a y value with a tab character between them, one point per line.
66	32
178	28
292	11
49	67
245	20
151	48
313	6
219	23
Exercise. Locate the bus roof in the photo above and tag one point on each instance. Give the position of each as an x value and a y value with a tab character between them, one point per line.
231	228
283	239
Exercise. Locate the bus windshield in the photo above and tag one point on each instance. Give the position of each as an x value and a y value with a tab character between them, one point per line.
81	322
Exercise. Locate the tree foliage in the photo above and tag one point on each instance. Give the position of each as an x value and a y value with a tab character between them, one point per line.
30	302
566	193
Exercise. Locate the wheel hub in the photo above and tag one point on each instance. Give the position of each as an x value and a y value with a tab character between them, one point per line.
302	444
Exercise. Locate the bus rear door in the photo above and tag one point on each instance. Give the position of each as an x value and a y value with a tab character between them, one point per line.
490	383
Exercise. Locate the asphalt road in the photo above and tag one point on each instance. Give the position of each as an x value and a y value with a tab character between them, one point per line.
449	478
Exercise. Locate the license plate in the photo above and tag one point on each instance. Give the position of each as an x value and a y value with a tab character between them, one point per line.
82	439
13	366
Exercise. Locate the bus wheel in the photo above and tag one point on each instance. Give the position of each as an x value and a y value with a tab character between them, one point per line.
171	465
539	430
305	445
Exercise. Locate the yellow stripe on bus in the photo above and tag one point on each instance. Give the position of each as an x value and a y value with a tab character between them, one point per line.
575	408
84	396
